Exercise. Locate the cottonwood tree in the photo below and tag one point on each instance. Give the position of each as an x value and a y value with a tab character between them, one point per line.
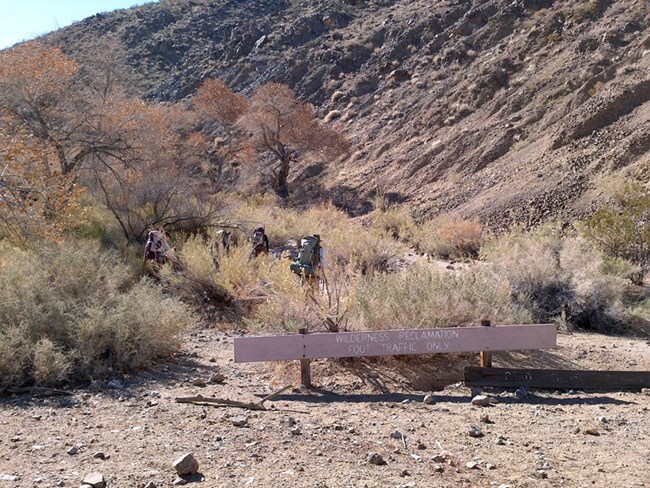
218	109
285	127
49	131
160	190
35	198
61	129
39	96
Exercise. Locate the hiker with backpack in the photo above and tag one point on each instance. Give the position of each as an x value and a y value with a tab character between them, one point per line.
219	246
311	260
260	242
156	248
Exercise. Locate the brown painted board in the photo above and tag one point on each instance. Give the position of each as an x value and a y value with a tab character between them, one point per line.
557	378
394	342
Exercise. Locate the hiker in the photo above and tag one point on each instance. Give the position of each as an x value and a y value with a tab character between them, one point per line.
260	242
156	248
218	246
311	260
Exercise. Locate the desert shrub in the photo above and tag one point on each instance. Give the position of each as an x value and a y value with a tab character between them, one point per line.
92	221
50	362
599	286
551	276
448	237
57	301
15	353
620	229
194	277
598	86
395	221
638	317
40	288
286	313
531	264
553	38
589	10
130	330
297	305
424	297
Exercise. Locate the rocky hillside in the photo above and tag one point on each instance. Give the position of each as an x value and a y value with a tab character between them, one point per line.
506	110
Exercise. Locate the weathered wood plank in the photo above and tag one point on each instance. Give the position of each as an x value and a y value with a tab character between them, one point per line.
557	378
394	342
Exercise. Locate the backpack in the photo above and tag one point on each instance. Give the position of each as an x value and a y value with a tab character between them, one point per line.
308	256
157	247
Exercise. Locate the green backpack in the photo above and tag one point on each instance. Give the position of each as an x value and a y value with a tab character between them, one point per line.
308	256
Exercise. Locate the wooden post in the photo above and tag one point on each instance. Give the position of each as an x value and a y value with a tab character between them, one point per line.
486	356
305	369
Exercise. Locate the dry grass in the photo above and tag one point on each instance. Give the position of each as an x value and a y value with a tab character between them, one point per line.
320	306
345	241
70	312
450	237
423	297
395	221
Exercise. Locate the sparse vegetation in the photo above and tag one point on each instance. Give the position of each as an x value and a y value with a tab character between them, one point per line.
87	169
199	116
598	86
588	10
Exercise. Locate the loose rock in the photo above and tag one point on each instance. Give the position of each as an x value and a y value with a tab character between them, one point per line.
239	420
481	400
96	480
290	422
217	378
376	459
186	464
521	393
474	431
485	419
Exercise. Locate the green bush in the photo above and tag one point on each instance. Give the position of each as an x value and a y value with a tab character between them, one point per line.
621	228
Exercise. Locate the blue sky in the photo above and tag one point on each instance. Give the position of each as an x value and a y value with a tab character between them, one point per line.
25	19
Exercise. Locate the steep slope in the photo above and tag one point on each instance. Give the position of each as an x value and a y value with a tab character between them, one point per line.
510	111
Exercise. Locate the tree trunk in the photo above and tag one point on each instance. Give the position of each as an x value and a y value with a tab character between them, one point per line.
282	187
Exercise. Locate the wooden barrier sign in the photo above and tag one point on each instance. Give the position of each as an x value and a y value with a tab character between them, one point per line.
394	342
557	378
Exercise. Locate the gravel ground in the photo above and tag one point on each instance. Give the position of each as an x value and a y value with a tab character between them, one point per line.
365	424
